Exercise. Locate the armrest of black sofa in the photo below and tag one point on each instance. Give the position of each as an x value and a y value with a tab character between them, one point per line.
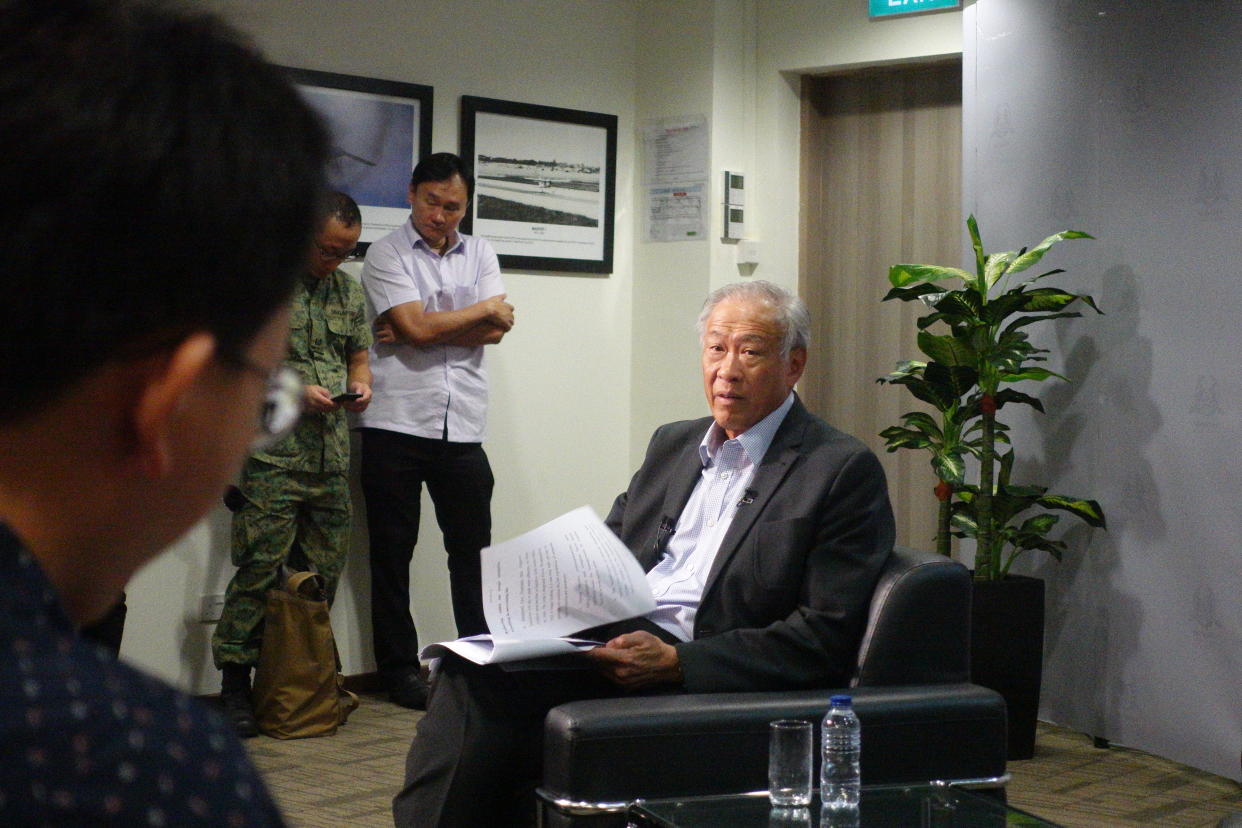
607	752
918	625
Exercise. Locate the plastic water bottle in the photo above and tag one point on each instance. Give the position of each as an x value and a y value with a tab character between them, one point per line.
840	779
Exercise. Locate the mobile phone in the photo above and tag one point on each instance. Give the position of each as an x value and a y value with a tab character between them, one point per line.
348	396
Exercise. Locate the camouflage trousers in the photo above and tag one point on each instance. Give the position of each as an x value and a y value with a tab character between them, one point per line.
293	517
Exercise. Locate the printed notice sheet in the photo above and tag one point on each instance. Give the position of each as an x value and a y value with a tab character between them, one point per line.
568	575
675	170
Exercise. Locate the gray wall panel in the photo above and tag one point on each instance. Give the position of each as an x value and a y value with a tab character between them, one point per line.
1124	118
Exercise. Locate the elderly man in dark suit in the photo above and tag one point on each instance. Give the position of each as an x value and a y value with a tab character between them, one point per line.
762	530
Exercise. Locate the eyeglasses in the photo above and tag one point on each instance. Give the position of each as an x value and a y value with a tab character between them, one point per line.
330	255
282	401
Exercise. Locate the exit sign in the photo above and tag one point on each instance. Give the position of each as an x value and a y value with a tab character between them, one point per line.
887	8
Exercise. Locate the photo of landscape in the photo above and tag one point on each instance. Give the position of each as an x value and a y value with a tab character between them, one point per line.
538	172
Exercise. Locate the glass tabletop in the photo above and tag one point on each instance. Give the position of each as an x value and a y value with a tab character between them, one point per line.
882	806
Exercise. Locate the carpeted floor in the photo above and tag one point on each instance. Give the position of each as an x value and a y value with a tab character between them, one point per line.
1075	784
349	779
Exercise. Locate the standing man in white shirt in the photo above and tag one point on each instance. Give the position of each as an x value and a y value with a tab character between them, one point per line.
436	299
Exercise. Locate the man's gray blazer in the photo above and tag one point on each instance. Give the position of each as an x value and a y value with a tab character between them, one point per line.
786	598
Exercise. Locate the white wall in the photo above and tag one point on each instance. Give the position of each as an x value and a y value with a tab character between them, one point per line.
596	362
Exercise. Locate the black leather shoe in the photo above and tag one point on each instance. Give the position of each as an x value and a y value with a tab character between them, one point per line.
238	711
408	690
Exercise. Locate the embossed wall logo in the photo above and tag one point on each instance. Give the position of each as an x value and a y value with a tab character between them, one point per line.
1135	100
1206	612
1215	617
1205	407
1002	126
1062	205
1210	191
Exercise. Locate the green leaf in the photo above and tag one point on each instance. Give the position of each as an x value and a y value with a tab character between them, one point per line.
1032	256
1024	543
962	306
956	379
925	322
899	438
977	243
966	523
997	265
1006	467
1030	493
940	397
1037	374
907	294
922	421
1039	525
1089	301
1004	305
905	368
1087	510
949	467
1043	317
901	275
947	350
1047	299
1009	395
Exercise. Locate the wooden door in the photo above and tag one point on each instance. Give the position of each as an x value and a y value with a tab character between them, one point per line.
881	184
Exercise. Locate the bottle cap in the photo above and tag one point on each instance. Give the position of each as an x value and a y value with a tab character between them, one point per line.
841	701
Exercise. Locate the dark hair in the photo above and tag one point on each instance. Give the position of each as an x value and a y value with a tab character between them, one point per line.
339	206
159	178
441	166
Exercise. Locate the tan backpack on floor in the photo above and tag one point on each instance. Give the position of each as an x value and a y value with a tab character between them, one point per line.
298	689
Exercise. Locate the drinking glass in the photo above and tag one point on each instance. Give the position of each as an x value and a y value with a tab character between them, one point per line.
789	762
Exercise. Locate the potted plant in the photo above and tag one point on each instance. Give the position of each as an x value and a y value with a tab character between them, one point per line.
977	347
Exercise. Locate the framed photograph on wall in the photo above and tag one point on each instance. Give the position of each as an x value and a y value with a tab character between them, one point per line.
545	183
380	128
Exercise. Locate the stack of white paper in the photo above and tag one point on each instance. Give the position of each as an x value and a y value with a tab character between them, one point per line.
568	575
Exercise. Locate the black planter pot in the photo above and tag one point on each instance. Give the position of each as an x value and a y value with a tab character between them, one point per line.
1007	651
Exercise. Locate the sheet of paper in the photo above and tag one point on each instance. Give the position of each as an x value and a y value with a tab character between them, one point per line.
677	213
676	150
483	649
568	575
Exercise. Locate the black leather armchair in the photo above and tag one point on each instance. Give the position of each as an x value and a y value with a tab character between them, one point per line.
922	720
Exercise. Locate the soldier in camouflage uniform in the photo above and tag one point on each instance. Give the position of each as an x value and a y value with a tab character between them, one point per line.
294	503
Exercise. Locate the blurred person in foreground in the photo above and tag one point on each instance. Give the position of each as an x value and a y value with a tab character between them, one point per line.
160	184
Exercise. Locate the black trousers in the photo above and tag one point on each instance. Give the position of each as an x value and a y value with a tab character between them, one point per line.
459	479
477	754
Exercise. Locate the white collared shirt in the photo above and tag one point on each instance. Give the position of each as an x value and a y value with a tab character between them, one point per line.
678	578
425	390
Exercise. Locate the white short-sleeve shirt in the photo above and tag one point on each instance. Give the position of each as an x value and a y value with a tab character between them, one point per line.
424	390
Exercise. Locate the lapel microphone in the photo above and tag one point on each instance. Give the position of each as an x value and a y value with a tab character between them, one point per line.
748	496
664	533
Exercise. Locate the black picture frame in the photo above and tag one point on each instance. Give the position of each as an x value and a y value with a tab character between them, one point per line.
546	183
380	130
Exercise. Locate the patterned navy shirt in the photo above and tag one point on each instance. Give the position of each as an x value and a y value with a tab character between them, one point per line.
87	740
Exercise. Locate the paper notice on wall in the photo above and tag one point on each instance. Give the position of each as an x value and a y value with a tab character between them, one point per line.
677	213
676	154
675	150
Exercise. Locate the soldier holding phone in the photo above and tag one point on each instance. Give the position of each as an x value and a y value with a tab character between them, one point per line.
292	504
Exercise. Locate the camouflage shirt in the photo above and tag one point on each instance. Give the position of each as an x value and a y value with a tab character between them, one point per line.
327	323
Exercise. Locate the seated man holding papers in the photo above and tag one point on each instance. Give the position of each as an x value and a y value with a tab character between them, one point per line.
762	531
